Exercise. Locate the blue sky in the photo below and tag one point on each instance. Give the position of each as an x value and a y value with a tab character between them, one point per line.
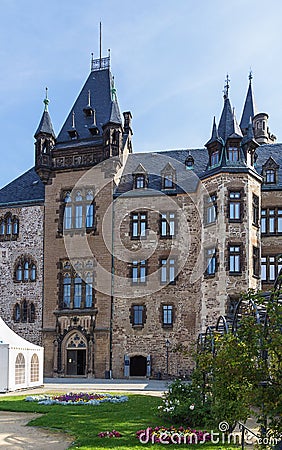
169	59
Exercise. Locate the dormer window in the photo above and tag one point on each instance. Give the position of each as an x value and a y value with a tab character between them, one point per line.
168	182
139	181
215	158
270	176
233	154
189	162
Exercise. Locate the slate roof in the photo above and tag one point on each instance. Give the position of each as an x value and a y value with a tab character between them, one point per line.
26	189
45	125
228	126
99	83
249	109
264	152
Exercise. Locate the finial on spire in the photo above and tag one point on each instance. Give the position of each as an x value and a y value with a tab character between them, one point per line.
46	101
113	90
226	87
250	75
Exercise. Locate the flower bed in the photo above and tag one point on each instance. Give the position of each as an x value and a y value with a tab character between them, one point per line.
80	398
109	434
172	435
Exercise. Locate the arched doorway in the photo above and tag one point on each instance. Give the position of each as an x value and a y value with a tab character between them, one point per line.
76	355
138	366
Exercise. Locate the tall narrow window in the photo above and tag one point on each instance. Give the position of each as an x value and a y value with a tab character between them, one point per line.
67	291
77	292
78	210
89	291
89	210
256	261
139	225
9	225
235	259
19	273
167	224
168	181
215	158
32	313
15	226
26	271
270	177
33	273
2	227
20	369
167	315
68	212
17	313
168	271
210	261
24	311
235	206
263	221
255	210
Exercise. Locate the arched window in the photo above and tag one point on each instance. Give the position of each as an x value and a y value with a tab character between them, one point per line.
19	273
77	292
17	313
32	313
89	210
15	226
20	369
34	368
9	225
33	273
26	271
67	291
78	210
2	227
24	311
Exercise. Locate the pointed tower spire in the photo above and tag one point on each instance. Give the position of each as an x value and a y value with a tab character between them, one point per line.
228	126
45	125
249	109
214	135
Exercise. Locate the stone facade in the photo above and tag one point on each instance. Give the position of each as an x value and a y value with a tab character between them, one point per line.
26	244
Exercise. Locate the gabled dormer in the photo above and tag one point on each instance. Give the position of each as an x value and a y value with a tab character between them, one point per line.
214	147
140	177
270	171
250	145
44	143
168	175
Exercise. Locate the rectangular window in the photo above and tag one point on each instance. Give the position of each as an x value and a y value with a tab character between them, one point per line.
168	270
255	210
235	259
89	216
271	220
138	314
78	216
233	154
167	224
139	225
270	268
214	158
139	182
68	217
256	261
210	209
168	182
235	206
270	176
210	261
167	315
139	271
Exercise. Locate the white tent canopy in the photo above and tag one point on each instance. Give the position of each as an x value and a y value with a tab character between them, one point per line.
21	362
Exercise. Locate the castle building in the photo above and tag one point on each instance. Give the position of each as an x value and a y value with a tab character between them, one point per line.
113	259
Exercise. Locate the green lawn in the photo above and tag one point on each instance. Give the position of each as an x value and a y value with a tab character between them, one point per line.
85	422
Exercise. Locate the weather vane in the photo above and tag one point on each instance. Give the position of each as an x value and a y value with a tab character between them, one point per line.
226	86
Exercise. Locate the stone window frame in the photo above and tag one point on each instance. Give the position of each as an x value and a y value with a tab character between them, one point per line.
270	265
73	204
271	219
28	266
233	150
235	201
168	281
165	221
162	315
24	312
9	220
210	204
136	266
168	178
211	256
256	212
140	324
138	221
238	253
256	261
66	268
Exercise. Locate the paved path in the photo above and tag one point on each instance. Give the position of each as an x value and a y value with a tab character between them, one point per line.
14	435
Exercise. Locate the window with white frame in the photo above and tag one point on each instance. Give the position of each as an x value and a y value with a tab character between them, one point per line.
168	270
167	224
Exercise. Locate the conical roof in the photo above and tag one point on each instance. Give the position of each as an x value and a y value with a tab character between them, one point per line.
45	125
228	126
249	109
